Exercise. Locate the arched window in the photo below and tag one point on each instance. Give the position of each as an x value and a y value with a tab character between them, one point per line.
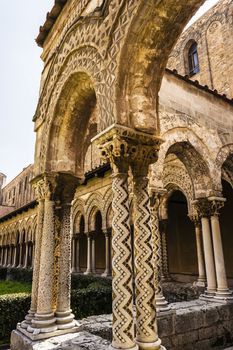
193	62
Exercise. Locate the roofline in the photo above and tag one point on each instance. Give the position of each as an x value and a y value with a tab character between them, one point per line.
199	86
51	18
18	211
24	169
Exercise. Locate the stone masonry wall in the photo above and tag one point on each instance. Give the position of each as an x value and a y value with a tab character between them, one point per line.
213	33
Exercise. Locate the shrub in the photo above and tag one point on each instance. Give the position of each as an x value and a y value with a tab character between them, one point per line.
13	309
84	302
83	281
20	275
3	273
91	301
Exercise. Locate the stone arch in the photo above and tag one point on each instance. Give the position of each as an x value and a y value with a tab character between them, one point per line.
224	163
107	209
77	213
144	57
195	156
176	177
93	204
82	68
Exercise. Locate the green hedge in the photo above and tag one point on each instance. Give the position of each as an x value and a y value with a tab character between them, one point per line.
20	275
84	302
83	281
13	308
3	273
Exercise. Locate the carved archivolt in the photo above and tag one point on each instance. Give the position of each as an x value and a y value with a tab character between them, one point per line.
175	177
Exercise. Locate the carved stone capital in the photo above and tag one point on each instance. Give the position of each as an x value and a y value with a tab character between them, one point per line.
125	147
216	204
44	186
202	206
195	218
207	207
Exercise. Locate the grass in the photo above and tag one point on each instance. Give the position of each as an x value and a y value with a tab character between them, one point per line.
13	287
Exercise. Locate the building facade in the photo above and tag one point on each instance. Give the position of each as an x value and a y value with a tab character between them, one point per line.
184	141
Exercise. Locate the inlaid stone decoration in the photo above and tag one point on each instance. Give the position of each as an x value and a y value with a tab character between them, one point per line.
112	123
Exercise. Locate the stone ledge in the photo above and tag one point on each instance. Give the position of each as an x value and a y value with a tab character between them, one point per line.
74	341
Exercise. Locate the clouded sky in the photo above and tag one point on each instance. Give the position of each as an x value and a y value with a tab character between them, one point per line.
20	69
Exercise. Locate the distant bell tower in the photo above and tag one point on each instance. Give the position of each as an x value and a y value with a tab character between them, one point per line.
2	182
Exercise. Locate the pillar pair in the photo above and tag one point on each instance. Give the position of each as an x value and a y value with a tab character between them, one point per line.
161	303
217	286
50	312
126	148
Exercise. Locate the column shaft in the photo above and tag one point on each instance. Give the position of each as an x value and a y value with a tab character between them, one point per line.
65	319
122	283
200	257
209	258
146	326
44	317
73	253
88	270
93	255
222	286
77	255
107	271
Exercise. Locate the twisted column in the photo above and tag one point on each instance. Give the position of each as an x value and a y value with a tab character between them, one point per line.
201	281
126	147
223	292
161	303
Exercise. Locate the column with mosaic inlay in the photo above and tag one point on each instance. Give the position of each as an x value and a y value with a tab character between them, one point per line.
161	303
142	152
115	149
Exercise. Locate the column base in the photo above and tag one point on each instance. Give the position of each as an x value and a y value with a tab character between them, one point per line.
200	283
161	304
106	274
36	335
224	296
111	347
150	346
65	320
208	295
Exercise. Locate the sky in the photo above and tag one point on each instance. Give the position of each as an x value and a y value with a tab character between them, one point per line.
20	70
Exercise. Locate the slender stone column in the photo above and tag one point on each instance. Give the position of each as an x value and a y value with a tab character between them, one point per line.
64	316
26	255
201	281
107	271
20	255
73	253
44	319
203	209
77	268
93	254
0	256
161	303
165	275
14	256
223	292
9	256
88	270
6	256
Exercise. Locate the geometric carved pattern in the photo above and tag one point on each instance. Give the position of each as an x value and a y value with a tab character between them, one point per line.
123	329
144	263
